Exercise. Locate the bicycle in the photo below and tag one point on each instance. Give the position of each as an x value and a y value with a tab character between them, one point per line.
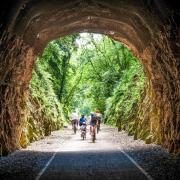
74	128
93	133
98	128
83	131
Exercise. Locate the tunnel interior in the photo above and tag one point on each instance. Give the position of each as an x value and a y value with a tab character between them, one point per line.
149	28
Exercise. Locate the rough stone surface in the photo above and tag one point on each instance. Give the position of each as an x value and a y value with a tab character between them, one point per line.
15	73
149	28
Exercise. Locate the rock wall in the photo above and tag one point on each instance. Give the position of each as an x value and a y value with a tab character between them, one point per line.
166	70
147	125
37	124
15	72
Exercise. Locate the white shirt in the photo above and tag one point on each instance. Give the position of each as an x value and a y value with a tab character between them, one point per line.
74	116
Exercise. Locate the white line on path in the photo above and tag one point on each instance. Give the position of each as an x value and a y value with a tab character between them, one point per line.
137	165
46	165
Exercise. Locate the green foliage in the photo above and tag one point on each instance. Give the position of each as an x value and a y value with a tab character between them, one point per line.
87	72
122	106
42	92
46	103
108	64
104	61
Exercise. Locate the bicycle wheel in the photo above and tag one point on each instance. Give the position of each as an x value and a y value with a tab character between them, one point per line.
93	138
74	129
98	129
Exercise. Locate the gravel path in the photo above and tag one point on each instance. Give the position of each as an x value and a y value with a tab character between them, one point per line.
153	158
78	159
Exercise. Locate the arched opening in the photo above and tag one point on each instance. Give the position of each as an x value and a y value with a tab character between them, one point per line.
84	73
143	26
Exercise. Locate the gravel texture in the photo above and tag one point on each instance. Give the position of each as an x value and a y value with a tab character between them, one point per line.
153	158
27	163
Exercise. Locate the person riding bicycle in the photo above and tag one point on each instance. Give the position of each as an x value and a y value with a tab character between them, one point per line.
99	117
93	121
82	120
83	130
74	119
83	126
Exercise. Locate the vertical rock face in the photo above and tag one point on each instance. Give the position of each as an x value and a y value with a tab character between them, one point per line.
163	91
149	28
167	91
147	126
15	72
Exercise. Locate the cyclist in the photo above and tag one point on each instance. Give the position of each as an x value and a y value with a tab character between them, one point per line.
74	119
82	120
93	122
83	130
99	118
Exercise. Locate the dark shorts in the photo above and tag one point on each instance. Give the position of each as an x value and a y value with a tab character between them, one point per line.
92	124
74	121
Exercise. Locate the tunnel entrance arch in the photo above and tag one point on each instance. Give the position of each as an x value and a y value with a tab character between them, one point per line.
143	27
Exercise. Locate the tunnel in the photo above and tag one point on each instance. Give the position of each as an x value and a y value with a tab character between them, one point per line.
149	28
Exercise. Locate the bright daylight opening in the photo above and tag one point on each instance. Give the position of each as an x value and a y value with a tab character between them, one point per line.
85	73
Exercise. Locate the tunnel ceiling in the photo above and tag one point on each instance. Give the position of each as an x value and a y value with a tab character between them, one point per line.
41	21
150	28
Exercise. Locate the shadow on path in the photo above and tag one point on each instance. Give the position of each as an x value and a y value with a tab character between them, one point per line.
71	165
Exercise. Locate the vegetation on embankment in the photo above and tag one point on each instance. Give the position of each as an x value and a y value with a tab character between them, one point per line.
88	72
130	107
122	106
46	110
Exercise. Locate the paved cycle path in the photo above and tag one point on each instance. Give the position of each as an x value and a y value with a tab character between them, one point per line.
81	159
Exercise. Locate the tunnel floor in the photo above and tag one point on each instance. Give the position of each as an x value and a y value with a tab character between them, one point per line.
64	155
